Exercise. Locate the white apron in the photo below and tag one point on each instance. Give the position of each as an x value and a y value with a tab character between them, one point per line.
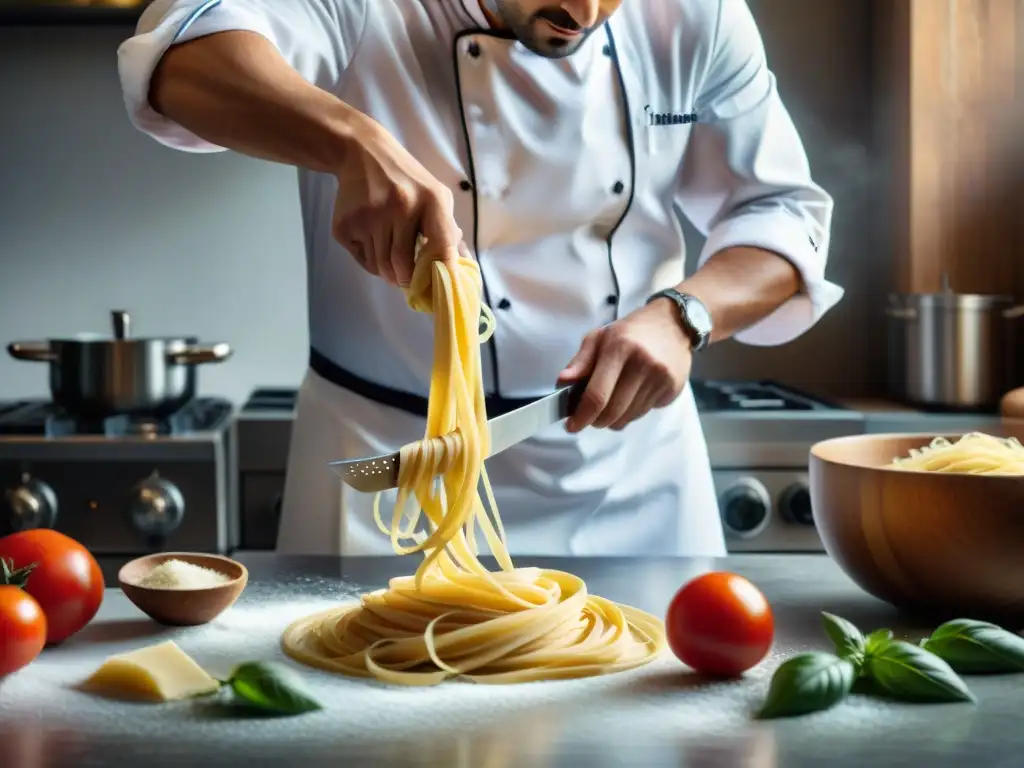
568	177
645	491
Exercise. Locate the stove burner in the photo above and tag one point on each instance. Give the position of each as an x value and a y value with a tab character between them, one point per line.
42	418
752	397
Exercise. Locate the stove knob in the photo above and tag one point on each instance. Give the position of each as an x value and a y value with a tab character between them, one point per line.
156	507
33	504
795	505
745	508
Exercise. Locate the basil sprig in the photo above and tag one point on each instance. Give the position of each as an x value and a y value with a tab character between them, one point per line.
909	672
977	647
881	665
848	640
272	688
808	682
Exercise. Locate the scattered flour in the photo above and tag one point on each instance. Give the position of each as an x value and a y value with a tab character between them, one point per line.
455	724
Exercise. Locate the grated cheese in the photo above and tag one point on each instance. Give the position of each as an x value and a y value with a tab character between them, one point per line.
177	574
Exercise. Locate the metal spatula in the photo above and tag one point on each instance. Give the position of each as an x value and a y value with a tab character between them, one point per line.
379	473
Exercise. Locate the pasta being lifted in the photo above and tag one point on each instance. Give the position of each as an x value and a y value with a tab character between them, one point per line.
973	454
454	617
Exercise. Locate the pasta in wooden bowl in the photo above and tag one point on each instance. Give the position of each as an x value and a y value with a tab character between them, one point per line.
932	522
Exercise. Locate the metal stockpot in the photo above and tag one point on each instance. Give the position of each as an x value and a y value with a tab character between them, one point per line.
952	351
96	376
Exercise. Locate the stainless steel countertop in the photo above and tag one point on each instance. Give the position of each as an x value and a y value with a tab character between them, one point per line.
660	715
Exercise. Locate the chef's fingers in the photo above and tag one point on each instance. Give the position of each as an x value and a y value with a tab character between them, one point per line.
360	254
403	251
437	222
643	403
595	398
667	397
631	381
382	240
636	408
583	361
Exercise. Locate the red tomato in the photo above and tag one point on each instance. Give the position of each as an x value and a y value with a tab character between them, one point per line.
66	580
22	629
720	624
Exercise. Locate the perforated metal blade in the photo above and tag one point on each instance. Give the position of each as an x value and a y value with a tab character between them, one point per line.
379	473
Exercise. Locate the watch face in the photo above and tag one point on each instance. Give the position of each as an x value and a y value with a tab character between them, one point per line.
698	316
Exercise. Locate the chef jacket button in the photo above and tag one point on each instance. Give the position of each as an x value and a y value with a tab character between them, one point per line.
465	186
607	50
473	49
618	187
504	304
612	300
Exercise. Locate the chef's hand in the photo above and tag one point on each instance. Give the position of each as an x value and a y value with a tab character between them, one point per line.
635	364
385	199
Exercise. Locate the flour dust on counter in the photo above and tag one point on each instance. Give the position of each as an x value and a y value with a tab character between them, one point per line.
657	715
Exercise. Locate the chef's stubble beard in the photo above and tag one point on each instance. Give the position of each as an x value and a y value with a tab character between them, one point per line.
524	26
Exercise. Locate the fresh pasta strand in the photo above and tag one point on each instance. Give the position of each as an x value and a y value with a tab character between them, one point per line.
454	617
973	454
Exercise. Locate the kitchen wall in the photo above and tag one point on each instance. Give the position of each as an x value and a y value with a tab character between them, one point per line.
95	216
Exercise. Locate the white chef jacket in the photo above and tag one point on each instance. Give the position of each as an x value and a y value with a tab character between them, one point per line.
567	176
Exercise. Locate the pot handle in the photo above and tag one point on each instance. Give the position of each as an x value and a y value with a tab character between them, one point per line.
1014	312
901	313
32	351
214	353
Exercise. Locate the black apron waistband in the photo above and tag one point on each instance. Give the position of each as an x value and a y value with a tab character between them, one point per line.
403	401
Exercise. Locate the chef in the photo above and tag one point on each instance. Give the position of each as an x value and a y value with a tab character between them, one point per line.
555	142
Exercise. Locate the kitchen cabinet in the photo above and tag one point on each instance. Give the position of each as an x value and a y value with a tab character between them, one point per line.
950	119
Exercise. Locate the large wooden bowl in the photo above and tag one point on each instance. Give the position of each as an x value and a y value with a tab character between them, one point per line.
945	543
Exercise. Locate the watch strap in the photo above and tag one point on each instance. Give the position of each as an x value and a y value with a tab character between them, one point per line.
698	339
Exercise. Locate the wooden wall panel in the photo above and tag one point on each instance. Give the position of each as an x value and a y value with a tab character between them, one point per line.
951	79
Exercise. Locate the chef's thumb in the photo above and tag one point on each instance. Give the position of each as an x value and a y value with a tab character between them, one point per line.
439	228
582	362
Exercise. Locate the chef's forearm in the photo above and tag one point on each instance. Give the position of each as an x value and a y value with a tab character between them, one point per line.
235	90
741	286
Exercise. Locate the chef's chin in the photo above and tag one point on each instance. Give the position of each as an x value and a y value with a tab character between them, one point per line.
539	39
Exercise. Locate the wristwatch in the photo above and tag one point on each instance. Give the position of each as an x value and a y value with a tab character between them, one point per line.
694	315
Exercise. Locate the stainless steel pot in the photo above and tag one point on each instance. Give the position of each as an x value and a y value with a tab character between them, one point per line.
952	351
96	376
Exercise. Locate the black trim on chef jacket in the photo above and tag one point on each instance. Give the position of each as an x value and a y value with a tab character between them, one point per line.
630	140
471	169
496	404
613	53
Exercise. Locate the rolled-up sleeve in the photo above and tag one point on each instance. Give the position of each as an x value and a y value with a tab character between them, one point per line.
317	37
746	180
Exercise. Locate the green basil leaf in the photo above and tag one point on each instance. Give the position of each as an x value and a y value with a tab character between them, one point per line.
272	687
909	672
977	647
808	682
848	640
877	641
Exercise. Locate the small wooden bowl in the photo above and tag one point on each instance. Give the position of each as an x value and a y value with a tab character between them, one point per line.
183	607
948	544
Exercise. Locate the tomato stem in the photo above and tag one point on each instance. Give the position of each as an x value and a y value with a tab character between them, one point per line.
14	577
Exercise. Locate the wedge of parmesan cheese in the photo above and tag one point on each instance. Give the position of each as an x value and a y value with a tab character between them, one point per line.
157	673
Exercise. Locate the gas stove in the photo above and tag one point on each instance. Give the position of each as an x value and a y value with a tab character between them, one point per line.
123	485
759	435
